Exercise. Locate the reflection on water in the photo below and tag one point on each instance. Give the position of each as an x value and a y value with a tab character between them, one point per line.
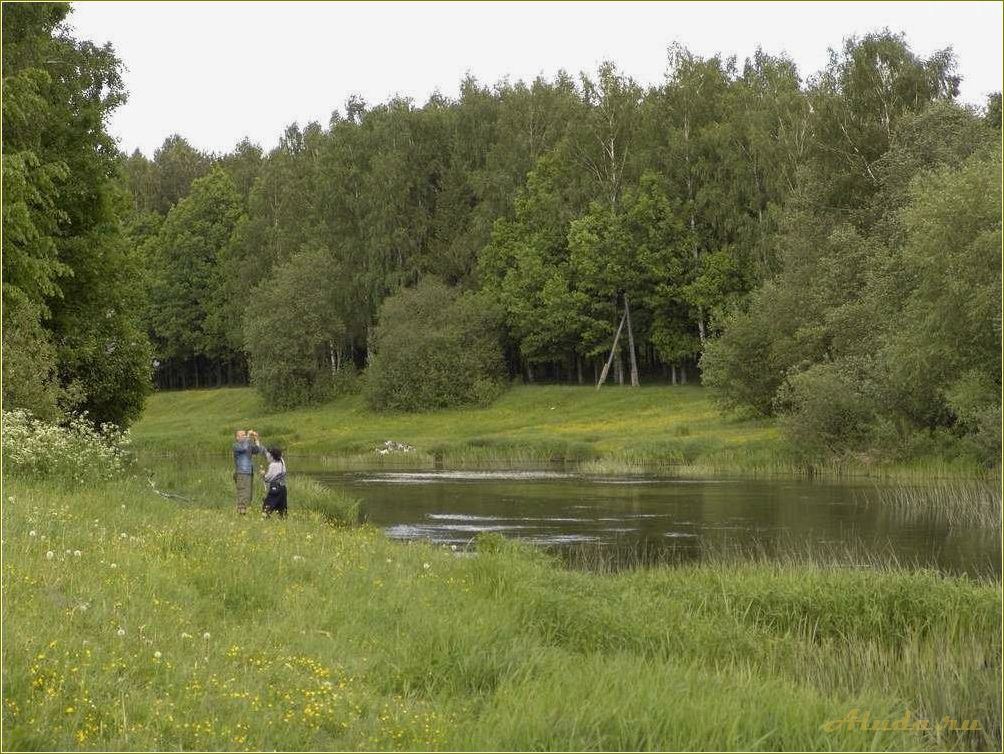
681	519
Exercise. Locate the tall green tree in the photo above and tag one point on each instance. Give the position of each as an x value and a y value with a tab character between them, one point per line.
67	271
185	305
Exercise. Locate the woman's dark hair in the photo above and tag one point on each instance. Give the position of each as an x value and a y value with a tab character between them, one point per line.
275	453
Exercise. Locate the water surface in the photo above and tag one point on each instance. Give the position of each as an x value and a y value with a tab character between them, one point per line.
678	518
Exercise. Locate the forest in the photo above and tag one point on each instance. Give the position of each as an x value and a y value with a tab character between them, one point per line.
819	246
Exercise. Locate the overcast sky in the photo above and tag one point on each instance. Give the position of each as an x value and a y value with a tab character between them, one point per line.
217	72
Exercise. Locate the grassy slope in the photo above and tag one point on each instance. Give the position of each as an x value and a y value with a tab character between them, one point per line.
611	430
654	425
323	638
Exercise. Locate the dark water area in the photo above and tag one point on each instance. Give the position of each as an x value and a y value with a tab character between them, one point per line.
648	519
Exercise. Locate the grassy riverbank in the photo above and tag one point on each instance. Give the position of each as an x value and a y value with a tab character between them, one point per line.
174	624
677	429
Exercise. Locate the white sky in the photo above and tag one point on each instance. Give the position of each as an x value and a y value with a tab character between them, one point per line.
216	71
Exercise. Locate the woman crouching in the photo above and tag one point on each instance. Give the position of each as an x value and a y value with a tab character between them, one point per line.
275	484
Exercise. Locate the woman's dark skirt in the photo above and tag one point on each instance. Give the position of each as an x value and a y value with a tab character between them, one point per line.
275	500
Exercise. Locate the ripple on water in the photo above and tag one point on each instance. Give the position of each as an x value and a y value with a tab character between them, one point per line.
411	477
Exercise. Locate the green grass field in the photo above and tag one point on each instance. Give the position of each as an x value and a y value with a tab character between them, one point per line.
136	622
676	429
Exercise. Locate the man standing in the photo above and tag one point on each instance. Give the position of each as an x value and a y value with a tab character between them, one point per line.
245	446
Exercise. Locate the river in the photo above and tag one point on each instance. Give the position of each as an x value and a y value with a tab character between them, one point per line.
660	519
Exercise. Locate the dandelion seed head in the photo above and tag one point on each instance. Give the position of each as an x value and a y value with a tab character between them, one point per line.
157	655
207	636
114	565
33	533
120	632
50	555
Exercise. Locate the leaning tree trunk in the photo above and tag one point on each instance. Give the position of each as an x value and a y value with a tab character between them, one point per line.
606	367
634	360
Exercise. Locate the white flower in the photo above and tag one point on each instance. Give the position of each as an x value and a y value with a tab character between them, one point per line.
50	555
120	632
426	566
77	553
297	558
123	535
185	636
389	560
157	655
453	547
207	636
67	552
310	537
123	506
114	565
33	533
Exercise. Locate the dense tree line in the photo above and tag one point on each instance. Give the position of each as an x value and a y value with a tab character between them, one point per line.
824	248
73	339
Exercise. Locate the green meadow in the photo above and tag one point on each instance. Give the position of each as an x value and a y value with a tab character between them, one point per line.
678	430
142	622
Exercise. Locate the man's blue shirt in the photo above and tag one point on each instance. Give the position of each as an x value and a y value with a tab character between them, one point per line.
243	450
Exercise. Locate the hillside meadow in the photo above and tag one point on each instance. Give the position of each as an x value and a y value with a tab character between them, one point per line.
673	429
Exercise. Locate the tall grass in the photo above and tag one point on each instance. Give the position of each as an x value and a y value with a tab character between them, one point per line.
959	503
180	625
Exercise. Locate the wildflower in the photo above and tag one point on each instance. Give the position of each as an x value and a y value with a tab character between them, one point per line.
120	632
50	555
114	565
123	535
77	553
426	566
297	557
185	636
207	636
310	537
157	655
453	547
123	506
67	552
33	533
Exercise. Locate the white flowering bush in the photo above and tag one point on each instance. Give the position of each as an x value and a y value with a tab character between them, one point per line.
72	450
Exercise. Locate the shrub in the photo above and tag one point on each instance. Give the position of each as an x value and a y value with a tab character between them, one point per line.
74	450
294	333
825	410
434	348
